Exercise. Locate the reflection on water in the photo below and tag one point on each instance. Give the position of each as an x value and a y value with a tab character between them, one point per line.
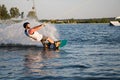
25	63
35	61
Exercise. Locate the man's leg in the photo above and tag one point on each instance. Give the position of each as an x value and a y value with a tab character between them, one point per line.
44	44
55	43
51	42
47	45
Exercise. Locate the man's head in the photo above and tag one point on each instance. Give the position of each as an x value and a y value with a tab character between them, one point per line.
26	25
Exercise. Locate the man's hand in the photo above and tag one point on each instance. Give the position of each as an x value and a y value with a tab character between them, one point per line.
44	24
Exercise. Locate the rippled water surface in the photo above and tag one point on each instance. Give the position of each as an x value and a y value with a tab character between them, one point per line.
92	53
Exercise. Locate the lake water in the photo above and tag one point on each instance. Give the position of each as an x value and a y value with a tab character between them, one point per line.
92	53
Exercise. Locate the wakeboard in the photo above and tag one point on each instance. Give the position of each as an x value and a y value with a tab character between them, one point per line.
57	45
63	43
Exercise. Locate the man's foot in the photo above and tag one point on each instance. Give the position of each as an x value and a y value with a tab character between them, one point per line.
57	44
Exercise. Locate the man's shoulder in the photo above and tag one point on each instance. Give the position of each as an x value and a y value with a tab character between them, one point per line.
31	31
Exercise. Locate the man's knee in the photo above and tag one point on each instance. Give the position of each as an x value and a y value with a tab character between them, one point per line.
44	38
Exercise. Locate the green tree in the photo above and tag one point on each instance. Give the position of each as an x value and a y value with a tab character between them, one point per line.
14	12
4	13
0	11
32	15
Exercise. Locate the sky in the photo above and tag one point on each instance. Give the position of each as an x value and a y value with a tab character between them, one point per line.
67	9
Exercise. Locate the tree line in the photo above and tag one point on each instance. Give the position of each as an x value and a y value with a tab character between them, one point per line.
12	13
64	21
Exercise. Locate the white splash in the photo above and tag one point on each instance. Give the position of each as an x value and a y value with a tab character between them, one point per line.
14	34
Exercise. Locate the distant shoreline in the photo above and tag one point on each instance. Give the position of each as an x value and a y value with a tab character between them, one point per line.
77	21
71	21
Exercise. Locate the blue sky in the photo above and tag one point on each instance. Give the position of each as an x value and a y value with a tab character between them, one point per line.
64	9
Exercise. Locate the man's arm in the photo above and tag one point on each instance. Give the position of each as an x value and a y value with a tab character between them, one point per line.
32	30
